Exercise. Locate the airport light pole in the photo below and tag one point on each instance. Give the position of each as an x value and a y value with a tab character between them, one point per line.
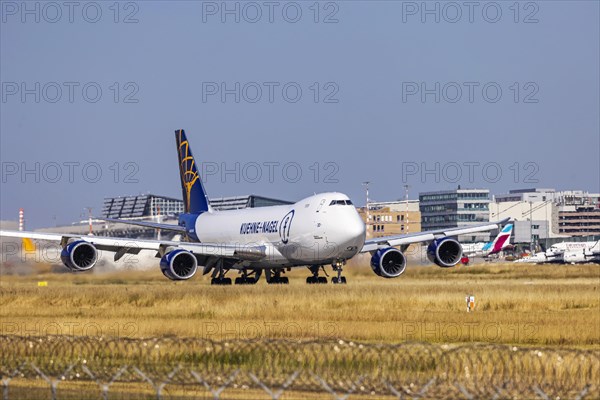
366	184
406	187
158	219
21	220
531	226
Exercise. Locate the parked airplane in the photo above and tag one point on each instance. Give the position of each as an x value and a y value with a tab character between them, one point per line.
482	249
558	249
588	254
567	252
323	229
537	258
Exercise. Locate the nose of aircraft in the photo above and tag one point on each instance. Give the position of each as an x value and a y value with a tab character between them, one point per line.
352	231
358	229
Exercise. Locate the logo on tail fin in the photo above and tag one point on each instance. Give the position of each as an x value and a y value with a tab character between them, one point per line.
503	239
194	197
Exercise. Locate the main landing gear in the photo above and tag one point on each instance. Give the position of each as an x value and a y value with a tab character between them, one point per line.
274	277
218	274
316	279
220	281
248	278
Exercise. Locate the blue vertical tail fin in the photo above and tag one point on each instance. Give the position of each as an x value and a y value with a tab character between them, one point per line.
195	199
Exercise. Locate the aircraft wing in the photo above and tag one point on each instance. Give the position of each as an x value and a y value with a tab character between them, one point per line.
148	224
406	239
121	246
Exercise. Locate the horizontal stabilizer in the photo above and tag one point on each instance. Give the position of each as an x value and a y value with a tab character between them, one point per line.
28	245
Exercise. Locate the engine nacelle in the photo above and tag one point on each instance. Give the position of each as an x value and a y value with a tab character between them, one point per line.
179	265
444	252
388	263
79	255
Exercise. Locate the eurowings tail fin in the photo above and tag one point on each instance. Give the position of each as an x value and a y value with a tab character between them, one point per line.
502	240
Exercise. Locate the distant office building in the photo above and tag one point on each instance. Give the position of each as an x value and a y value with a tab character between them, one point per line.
546	213
533	194
391	218
578	198
533	220
579	221
147	205
452	208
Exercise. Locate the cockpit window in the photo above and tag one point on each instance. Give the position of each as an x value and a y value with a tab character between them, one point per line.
340	203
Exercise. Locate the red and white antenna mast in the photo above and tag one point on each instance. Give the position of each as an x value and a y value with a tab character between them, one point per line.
21	220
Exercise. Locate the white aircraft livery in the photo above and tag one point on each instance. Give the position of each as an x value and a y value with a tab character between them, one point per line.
575	252
567	253
324	229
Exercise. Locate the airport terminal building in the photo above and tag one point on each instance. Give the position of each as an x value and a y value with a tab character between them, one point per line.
147	205
546	216
452	208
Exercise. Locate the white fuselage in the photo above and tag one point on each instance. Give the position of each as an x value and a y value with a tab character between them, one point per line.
560	248
583	255
572	252
537	258
474	249
317	230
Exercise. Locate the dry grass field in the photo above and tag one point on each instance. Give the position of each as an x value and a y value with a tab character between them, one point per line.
515	304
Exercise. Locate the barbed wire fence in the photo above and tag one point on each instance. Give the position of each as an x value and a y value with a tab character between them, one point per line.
58	367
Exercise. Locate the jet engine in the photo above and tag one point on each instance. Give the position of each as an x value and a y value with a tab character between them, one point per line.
444	252
79	255
179	265
388	263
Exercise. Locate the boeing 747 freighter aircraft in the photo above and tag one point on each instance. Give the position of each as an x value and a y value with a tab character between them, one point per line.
324	229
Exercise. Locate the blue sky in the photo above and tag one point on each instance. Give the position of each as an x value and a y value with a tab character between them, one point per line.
362	69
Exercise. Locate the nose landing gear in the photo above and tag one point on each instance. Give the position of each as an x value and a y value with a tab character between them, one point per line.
338	266
316	279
